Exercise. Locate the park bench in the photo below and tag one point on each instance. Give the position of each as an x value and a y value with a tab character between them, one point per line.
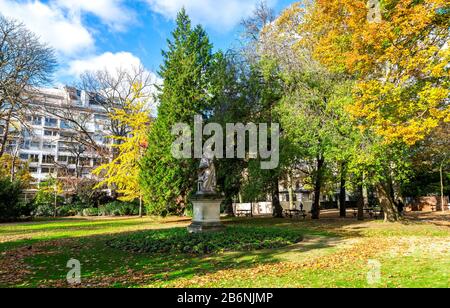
372	212
244	213
295	214
378	213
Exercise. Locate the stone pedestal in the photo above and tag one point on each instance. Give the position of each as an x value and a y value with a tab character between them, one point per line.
206	213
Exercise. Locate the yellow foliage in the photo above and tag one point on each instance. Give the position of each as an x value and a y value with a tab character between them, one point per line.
52	186
123	171
20	171
401	62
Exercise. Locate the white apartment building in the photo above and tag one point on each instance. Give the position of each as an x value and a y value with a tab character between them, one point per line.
51	143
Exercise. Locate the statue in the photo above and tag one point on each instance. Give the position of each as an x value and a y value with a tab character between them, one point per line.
207	179
206	203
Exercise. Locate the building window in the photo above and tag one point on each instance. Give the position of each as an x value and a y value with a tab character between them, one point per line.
35	120
96	100
26	133
62	159
50	122
85	161
34	158
26	145
48	146
66	125
101	117
47	170
48	159
50	133
24	156
35	145
74	94
33	170
66	146
72	160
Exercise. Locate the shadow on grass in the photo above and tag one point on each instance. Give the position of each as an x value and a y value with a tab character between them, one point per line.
103	266
440	219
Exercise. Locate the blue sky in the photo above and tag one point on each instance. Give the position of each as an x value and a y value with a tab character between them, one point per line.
93	34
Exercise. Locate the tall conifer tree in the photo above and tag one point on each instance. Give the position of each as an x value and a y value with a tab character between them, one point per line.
186	91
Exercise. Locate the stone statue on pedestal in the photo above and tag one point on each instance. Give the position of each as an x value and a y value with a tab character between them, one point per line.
207	178
207	201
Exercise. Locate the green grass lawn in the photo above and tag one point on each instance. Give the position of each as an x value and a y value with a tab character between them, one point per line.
334	253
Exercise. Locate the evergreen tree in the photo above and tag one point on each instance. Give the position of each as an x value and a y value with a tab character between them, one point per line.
187	91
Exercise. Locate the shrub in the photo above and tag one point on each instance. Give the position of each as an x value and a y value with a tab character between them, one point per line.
90	212
231	239
68	210
118	208
11	206
86	193
44	201
44	210
77	208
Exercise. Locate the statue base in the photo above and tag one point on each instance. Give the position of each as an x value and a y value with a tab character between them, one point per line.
206	213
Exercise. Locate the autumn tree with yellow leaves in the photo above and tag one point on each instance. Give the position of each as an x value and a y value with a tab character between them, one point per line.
14	169
122	173
397	51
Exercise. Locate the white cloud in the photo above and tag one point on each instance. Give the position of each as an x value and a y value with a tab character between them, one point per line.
222	15
111	12
60	22
109	61
63	32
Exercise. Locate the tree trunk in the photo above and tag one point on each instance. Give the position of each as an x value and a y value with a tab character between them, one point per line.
277	208
441	172
366	197
4	140
343	192
140	207
360	202
317	189
291	191
56	203
13	168
365	193
387	204
229	210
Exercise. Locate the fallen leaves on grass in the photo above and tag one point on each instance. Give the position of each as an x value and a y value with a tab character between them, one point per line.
362	251
362	241
13	268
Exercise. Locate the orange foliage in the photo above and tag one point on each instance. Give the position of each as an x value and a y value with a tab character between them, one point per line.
401	62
